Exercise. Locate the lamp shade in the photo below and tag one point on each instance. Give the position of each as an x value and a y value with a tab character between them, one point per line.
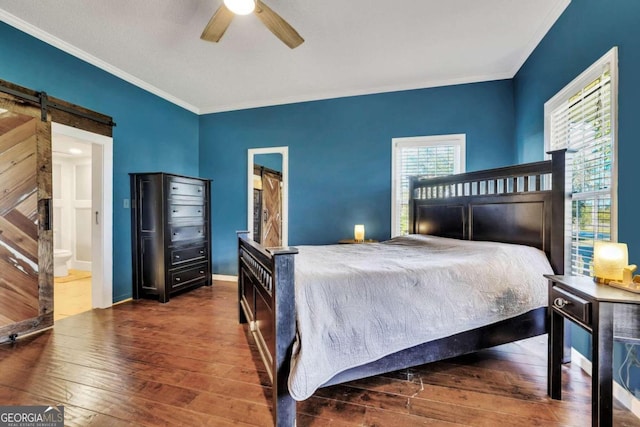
240	7
609	260
358	233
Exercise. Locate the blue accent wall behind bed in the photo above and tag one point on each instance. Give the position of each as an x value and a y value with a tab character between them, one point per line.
340	156
587	30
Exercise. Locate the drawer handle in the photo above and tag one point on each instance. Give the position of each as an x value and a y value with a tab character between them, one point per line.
199	211
177	279
174	188
175	211
560	302
201	271
201	252
177	256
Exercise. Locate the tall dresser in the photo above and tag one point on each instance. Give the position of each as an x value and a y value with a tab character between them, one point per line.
171	242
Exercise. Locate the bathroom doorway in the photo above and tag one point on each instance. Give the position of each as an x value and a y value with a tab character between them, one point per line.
71	159
82	220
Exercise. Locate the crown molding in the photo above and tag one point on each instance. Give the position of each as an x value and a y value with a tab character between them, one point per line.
543	29
54	41
309	97
427	84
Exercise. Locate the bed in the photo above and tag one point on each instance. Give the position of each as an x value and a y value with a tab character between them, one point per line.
514	210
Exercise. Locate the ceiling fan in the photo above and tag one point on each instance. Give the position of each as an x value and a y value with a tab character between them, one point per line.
220	21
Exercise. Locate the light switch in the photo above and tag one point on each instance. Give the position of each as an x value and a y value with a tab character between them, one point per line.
125	203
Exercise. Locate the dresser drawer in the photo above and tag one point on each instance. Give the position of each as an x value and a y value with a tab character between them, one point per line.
179	211
187	276
181	233
572	305
193	253
185	188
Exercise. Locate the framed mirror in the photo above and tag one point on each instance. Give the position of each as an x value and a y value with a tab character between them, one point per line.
267	195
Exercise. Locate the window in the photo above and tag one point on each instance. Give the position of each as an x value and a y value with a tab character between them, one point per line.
582	117
424	155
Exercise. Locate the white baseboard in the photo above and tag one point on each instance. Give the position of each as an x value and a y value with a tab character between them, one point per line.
225	278
630	402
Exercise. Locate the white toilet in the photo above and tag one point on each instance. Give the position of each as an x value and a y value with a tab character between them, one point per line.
60	259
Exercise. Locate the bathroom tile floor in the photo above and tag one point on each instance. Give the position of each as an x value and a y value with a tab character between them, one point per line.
71	297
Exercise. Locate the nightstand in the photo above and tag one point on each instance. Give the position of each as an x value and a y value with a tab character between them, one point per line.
351	241
591	306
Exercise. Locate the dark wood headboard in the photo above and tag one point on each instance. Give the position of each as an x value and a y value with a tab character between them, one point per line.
523	204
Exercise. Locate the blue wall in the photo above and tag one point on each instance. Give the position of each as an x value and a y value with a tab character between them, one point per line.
340	156
151	133
586	31
340	150
271	161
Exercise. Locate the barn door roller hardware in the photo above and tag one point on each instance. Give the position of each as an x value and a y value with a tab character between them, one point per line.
47	104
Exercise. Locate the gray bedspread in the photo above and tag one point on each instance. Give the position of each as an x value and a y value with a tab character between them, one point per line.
358	303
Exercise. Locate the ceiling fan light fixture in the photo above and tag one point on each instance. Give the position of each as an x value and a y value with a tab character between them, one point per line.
240	7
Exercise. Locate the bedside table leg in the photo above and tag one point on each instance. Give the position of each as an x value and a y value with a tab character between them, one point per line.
556	352
566	347
602	365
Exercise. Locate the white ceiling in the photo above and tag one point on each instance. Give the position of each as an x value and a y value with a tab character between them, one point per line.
351	47
68	146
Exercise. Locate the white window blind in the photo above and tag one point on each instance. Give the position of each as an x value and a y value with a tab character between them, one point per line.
583	119
430	156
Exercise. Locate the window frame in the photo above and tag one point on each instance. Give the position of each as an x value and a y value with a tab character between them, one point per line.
457	140
609	59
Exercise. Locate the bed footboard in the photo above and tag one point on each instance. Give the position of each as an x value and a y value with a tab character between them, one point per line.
266	301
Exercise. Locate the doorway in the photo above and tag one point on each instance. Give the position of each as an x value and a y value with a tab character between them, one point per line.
71	179
83	215
267	212
26	205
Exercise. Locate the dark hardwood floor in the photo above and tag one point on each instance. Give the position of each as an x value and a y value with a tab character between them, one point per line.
189	363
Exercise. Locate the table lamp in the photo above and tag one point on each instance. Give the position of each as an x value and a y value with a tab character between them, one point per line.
358	233
611	266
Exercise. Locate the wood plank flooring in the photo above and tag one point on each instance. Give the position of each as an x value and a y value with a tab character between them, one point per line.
189	363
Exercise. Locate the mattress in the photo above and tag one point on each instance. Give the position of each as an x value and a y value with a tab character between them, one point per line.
358	303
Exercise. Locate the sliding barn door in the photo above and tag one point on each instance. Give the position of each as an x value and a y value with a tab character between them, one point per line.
26	239
271	209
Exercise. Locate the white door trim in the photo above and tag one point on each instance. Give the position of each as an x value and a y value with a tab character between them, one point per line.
284	151
102	195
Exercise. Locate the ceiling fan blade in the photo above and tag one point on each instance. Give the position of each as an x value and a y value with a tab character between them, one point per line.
217	25
278	26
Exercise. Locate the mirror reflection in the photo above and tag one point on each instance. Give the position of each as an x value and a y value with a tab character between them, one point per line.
267	199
